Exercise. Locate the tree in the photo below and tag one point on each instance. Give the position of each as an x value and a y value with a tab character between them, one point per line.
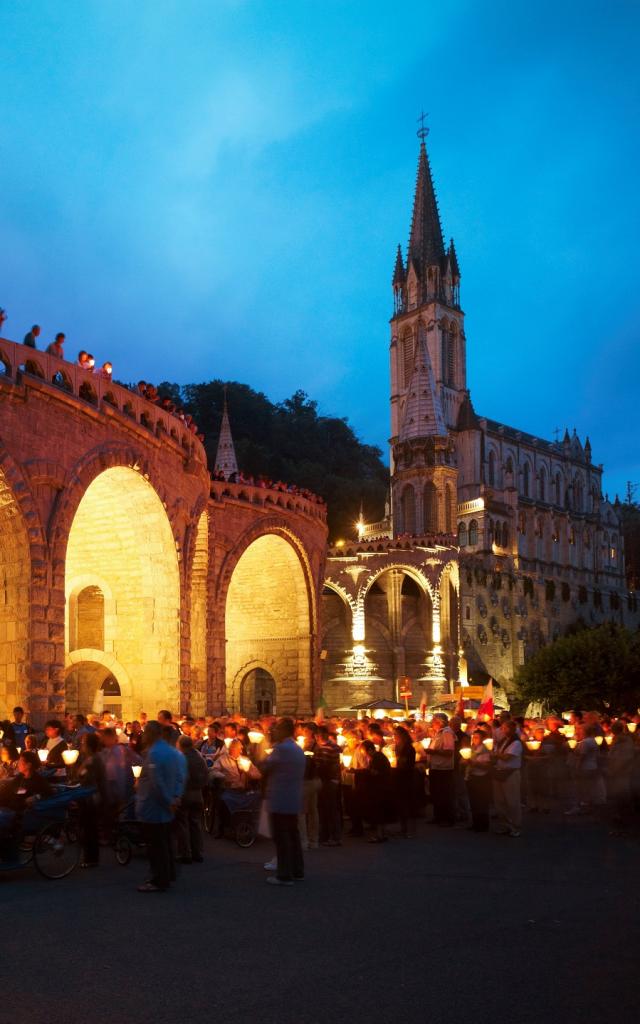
290	441
590	668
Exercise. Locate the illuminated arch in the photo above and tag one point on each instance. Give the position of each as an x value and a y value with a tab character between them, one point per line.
120	532
270	616
16	576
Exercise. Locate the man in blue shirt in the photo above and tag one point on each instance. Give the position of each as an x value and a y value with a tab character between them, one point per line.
284	771
21	729
158	794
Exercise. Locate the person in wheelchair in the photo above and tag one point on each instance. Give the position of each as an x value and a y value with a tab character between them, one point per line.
16	796
233	771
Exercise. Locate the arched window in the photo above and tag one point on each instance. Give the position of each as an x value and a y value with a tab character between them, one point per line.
490	530
407	358
473	533
462	535
508	468
522	522
448	354
578	494
492	468
526	481
408	505
542	486
86	625
430	501
559	494
448	509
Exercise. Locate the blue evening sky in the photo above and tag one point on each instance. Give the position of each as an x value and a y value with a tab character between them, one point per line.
215	188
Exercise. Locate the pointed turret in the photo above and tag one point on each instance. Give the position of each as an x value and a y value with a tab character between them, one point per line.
422	414
453	260
587	450
426	247
398	271
226	453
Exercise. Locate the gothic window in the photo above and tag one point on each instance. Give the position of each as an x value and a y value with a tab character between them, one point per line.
462	535
613	550
408	506
572	535
490	531
407	358
539	527
448	354
430	500
492	468
587	539
508	468
542	487
473	533
558	494
505	535
522	522
578	498
526	474
448	509
555	533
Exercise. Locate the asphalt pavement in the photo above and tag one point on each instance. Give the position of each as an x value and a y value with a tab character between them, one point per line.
450	926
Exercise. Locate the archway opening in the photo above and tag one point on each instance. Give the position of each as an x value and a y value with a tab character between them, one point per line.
258	693
90	686
398	626
121	542
199	572
267	620
15	578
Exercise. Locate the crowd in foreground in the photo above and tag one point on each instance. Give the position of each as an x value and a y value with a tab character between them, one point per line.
315	776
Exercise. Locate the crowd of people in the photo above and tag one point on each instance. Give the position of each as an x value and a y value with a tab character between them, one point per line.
264	482
379	776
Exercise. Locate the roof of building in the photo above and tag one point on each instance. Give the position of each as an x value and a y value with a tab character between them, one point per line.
426	246
226	453
422	411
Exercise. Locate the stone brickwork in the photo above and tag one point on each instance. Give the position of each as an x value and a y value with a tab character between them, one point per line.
102	493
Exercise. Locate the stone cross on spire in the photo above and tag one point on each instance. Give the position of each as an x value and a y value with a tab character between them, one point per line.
226	453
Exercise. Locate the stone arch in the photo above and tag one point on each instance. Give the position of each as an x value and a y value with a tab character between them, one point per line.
270	613
86	670
198	610
120	531
15	588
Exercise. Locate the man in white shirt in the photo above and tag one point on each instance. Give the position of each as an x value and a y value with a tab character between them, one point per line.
441	776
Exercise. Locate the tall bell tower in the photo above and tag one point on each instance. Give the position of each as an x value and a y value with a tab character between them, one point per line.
428	369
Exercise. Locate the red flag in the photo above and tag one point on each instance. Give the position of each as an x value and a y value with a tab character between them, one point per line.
486	704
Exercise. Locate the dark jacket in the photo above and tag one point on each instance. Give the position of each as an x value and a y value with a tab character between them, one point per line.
197	777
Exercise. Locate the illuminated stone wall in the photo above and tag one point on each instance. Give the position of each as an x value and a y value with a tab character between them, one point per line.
113	535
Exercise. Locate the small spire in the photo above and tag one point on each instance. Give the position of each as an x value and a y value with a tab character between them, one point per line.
422	415
226	453
453	260
398	271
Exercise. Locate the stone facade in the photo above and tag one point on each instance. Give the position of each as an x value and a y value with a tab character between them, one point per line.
118	556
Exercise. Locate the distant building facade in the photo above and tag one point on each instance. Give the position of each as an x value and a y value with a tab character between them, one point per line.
494	541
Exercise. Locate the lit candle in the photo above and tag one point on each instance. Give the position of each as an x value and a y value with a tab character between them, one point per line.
43	755
308	753
426	742
341	740
464	726
599	740
608	739
244	764
632	726
137	770
346	760
533	744
488	743
228	740
255	736
465	753
70	756
572	744
300	741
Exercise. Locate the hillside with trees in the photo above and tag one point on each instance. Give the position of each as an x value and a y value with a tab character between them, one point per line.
291	441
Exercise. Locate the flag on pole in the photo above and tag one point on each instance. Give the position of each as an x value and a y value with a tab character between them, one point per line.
486	704
423	705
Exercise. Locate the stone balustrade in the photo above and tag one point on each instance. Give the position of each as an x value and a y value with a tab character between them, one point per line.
354	548
267	497
20	361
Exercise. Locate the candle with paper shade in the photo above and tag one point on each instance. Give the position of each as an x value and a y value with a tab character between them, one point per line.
137	770
488	743
43	755
572	744
255	736
70	757
426	742
228	740
465	753
632	726
533	745
346	760
341	740
608	739
300	741
599	740
244	764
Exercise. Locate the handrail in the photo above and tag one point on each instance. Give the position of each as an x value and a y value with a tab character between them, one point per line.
21	361
265	496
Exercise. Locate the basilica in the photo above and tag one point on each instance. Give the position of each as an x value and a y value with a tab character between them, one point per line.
494	541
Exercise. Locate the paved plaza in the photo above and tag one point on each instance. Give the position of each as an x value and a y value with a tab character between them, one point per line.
451	926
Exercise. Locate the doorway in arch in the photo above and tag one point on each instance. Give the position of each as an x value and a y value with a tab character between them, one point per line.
258	693
89	684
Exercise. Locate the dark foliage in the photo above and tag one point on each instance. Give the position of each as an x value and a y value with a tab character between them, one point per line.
291	442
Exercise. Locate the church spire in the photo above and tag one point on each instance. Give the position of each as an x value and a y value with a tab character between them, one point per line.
426	246
422	415
226	453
